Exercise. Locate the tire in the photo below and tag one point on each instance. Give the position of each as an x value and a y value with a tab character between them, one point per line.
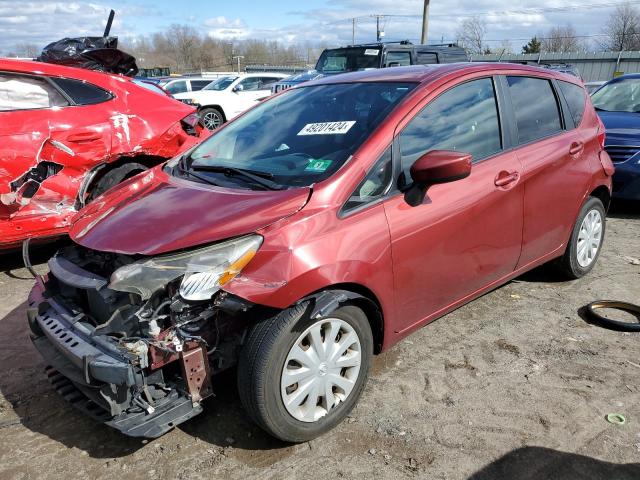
574	263
261	370
211	117
113	177
618	325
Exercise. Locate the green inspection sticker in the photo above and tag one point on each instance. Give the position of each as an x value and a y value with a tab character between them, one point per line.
317	165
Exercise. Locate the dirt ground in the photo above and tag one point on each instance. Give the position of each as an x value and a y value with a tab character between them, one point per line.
514	385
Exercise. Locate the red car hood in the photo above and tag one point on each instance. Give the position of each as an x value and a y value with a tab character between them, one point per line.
155	213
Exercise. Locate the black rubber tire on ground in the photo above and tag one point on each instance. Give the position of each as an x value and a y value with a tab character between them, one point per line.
214	113
591	311
113	177
262	361
569	261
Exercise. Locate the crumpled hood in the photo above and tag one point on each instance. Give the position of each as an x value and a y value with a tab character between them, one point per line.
155	213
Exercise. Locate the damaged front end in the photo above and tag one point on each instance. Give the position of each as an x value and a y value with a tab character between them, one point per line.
134	341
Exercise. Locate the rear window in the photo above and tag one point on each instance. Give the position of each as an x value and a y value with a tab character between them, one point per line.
575	97
536	108
82	93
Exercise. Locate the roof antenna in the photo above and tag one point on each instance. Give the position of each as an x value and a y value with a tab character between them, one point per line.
107	29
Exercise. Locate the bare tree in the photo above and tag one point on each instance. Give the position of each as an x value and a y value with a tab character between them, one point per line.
622	29
471	34
562	40
26	50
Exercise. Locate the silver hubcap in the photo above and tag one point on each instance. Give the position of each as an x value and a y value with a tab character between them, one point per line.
321	369
211	120
589	238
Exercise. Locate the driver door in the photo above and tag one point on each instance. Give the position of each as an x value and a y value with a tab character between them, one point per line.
468	233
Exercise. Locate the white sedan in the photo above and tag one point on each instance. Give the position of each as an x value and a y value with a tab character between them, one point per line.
230	96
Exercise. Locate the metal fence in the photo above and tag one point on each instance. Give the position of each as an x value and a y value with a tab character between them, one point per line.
592	66
277	69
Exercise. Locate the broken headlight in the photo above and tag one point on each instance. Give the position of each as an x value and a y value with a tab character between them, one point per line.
203	270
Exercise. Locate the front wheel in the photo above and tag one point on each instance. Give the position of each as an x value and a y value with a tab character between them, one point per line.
586	240
211	118
299	377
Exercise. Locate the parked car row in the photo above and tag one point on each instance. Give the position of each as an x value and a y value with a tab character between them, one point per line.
312	232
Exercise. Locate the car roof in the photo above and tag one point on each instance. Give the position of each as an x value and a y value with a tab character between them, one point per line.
427	73
51	69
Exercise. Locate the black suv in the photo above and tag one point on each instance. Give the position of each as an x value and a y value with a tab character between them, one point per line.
375	55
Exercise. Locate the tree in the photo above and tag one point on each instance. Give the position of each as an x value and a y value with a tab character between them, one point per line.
622	29
561	40
26	50
471	34
533	46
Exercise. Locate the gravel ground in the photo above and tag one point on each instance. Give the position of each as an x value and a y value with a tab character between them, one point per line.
514	385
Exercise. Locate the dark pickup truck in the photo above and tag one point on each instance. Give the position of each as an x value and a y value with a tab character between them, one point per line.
374	55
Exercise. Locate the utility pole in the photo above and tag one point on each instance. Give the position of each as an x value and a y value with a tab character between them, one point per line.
379	33
353	31
425	22
238	57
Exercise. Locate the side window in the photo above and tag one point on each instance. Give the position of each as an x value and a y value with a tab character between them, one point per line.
426	58
374	185
199	84
575	97
398	59
82	93
464	119
24	92
265	82
536	108
176	87
250	84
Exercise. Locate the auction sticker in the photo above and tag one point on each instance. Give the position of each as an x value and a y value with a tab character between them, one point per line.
327	128
371	51
317	165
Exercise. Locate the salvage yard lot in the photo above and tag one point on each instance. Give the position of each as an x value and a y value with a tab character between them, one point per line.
514	385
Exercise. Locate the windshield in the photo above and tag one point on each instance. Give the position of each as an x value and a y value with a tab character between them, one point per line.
620	96
348	59
300	137
220	84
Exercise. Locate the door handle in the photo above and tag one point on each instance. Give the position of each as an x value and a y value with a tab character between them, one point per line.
84	137
576	148
505	178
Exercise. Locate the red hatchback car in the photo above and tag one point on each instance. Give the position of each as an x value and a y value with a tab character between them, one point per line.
314	231
68	134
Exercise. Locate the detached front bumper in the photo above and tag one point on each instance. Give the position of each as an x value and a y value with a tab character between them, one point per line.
98	379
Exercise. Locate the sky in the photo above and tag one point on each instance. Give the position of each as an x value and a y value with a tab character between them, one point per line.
295	21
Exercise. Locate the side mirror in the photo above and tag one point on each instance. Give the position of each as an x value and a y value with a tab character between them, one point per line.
436	166
238	88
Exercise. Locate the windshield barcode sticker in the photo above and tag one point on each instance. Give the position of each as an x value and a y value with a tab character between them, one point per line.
371	51
327	128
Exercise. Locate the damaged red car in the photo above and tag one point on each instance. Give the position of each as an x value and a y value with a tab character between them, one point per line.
69	134
314	231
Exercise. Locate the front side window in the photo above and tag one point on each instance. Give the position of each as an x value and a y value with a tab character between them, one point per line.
398	59
82	93
575	97
464	119
25	92
618	96
375	184
300	137
176	87
536	108
250	84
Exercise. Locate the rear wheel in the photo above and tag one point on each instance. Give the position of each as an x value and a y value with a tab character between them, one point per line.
211	117
299	377
586	240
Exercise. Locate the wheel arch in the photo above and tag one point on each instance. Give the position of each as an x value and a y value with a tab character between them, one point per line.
602	193
331	297
217	107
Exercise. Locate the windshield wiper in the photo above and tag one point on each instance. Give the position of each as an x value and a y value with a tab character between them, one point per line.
261	178
182	168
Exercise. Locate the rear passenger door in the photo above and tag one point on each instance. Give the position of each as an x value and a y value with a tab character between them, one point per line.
466	234
551	150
